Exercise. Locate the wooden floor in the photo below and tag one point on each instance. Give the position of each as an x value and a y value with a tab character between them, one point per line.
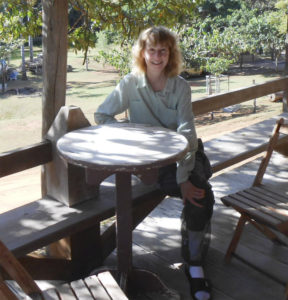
157	245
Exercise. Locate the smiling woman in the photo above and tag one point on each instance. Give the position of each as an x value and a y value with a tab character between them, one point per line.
155	95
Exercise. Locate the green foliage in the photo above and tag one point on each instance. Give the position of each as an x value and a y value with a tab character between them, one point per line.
212	51
215	8
121	60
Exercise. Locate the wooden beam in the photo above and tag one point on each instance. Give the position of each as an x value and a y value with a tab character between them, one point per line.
24	158
55	44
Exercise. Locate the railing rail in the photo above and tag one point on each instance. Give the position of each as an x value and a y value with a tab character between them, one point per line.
24	158
215	102
33	155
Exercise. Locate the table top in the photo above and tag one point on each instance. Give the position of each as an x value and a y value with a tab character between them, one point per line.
122	147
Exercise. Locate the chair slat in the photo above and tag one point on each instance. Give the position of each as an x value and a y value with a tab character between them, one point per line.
51	294
65	292
238	203
273	193
271	198
96	288
111	286
259	201
80	289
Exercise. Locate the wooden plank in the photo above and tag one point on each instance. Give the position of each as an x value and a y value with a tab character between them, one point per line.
111	286
242	205
50	294
161	244
215	102
239	280
258	202
269	198
241	144
96	288
65	292
80	289
269	190
42	222
273	203
24	158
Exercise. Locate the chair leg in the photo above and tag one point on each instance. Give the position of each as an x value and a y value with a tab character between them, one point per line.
236	237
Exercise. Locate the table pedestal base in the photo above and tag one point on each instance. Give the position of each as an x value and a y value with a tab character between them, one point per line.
142	282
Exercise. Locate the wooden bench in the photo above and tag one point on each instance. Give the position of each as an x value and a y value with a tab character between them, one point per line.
57	215
102	285
68	217
237	146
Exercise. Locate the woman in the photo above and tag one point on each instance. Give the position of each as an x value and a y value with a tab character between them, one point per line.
154	94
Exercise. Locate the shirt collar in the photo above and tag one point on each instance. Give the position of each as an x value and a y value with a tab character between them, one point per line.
143	83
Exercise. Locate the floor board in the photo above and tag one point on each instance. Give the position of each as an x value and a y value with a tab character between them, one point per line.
157	244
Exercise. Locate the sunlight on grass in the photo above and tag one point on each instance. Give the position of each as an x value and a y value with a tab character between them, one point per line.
20	115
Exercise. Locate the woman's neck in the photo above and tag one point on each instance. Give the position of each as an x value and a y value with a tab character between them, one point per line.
157	81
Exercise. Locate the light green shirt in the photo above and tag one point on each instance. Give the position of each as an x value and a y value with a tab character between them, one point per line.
173	106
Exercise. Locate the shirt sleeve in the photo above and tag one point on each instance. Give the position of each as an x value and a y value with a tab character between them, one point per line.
114	104
186	127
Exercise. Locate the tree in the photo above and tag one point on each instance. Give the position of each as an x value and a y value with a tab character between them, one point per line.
18	20
282	6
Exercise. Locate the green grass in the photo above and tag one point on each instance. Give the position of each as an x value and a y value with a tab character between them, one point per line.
20	116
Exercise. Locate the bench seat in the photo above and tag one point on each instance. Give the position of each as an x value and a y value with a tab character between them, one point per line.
44	221
236	146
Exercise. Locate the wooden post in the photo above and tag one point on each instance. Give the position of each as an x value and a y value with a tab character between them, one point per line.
54	32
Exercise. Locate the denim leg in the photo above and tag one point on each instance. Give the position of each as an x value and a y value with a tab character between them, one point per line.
196	226
195	244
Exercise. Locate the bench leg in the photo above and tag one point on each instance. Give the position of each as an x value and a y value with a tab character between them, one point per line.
236	237
82	248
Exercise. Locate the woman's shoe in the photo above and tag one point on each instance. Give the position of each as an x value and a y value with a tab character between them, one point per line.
198	284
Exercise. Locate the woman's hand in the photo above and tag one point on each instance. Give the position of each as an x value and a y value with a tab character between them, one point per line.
190	192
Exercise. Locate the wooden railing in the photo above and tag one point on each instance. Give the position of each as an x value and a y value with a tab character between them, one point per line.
215	102
24	158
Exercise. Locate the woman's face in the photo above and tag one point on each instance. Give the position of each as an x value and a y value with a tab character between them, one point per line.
156	57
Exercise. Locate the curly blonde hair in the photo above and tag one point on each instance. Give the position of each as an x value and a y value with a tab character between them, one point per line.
163	36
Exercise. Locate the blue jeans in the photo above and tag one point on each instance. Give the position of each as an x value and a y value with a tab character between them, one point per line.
195	221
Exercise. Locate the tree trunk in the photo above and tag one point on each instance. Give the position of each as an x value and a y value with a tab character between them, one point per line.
285	98
54	32
23	67
31	48
3	76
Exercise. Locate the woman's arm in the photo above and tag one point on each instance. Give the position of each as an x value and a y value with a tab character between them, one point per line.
114	104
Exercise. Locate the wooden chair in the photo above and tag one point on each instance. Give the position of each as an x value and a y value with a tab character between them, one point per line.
260	205
100	286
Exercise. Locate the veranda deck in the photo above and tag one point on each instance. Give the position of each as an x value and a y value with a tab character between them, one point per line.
157	244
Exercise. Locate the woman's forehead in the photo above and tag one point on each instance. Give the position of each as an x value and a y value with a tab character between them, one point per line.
155	44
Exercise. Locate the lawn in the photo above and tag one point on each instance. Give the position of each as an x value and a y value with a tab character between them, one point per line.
20	115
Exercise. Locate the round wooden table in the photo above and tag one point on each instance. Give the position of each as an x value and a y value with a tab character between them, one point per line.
122	149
